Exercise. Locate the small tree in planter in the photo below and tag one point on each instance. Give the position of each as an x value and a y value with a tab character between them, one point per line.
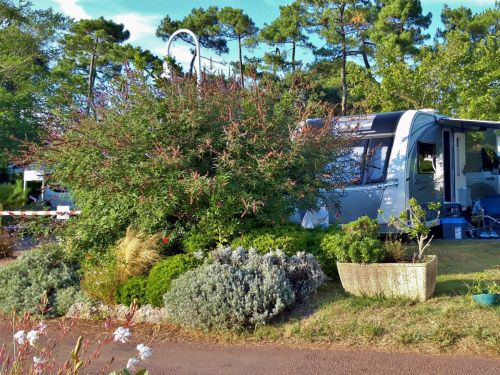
364	270
413	222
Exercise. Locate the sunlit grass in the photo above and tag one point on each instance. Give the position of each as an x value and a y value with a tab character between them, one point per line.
449	322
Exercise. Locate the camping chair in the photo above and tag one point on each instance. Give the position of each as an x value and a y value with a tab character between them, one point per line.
489	210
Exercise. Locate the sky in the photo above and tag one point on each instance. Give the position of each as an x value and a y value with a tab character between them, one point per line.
141	18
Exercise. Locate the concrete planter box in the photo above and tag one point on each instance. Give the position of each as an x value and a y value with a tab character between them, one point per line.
409	280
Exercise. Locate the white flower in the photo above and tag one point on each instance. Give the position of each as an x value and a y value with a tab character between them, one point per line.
38	367
19	336
38	361
122	334
144	351
32	337
198	254
42	327
131	363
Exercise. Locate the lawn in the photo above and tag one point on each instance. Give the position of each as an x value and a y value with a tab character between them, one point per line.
450	322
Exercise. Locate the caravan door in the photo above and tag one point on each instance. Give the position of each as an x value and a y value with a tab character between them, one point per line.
426	160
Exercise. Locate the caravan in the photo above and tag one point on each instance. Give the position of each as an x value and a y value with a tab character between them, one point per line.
415	153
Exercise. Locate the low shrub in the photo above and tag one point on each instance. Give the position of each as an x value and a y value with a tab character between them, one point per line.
68	296
395	249
137	252
39	272
101	278
303	272
132	289
336	246
361	228
302	269
357	244
222	296
291	239
366	250
195	240
287	238
242	289
161	275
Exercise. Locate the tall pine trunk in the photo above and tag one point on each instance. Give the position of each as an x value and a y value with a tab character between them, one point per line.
293	55
343	76
91	81
242	80
365	56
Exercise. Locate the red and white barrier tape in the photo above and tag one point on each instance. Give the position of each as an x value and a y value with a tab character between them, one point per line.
40	213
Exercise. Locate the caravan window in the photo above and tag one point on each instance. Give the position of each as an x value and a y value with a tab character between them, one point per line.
377	158
358	154
426	158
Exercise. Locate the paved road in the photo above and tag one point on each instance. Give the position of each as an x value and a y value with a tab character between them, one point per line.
172	356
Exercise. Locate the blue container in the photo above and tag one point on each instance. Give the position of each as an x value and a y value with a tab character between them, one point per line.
453	228
487	299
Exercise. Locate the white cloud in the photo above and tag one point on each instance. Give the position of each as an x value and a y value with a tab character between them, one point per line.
140	26
181	52
72	8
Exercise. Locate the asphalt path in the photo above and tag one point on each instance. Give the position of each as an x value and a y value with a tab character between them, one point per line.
175	356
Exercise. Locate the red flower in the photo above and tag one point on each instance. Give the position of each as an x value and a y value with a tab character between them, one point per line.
165	240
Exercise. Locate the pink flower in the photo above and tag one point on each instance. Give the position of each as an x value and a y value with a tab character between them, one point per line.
42	327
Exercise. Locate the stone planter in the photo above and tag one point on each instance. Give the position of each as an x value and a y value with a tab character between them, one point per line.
408	280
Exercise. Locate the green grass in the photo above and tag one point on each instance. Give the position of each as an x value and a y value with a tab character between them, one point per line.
449	322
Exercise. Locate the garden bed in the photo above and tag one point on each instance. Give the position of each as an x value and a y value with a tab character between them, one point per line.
449	323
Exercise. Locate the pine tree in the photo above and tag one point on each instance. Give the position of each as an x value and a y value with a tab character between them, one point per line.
236	25
289	29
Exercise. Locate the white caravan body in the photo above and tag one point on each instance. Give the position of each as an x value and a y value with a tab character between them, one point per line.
415	153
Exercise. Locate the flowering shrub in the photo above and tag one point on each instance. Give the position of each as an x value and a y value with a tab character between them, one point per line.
241	289
35	348
176	156
39	272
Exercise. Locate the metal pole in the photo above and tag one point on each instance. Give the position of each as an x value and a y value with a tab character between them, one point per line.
197	46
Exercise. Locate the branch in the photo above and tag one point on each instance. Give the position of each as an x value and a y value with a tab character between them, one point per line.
421	253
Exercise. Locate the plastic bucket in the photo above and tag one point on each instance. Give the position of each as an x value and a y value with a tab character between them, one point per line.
487	299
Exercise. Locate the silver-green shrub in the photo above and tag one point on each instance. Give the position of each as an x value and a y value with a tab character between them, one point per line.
241	289
66	297
37	272
302	269
222	296
303	272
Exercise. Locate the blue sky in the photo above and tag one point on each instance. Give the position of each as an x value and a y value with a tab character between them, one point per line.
141	17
